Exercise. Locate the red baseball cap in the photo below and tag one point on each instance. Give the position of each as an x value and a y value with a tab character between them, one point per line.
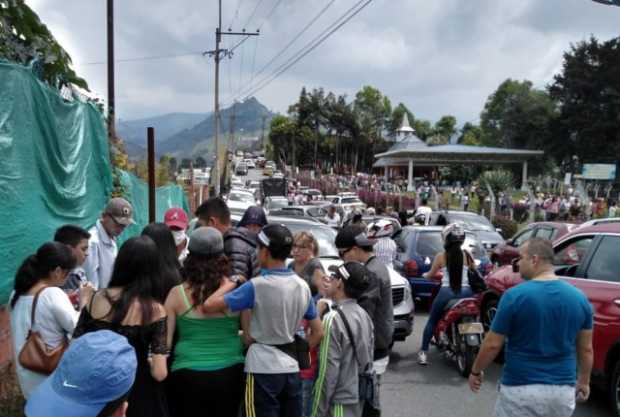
176	217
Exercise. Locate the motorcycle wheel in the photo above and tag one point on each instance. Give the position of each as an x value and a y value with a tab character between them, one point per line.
465	360
488	313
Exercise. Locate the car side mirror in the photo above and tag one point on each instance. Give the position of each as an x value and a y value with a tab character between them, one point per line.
498	230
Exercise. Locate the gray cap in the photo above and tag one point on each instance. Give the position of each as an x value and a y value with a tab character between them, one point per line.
206	241
120	210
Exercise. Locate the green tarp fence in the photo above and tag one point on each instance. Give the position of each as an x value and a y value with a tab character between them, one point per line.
54	169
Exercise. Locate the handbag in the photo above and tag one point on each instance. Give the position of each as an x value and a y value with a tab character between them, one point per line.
298	349
368	387
35	355
476	282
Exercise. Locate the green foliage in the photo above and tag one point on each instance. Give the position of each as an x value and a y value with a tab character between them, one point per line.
397	118
445	127
498	180
23	38
518	116
509	227
588	94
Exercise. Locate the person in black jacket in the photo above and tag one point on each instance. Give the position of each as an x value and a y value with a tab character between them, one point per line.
239	243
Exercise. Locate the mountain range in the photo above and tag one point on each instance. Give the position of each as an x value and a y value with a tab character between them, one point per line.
191	134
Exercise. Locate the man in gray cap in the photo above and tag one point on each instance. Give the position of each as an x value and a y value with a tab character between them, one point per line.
102	248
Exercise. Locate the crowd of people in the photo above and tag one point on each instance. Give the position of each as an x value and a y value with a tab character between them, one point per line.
214	319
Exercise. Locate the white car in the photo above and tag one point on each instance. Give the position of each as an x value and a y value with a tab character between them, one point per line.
349	202
250	163
239	200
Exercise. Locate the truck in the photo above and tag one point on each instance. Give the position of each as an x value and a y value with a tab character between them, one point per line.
271	187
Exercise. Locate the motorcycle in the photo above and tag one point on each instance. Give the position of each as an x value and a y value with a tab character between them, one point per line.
459	333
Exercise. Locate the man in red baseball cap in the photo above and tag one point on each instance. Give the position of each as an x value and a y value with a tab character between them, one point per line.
176	219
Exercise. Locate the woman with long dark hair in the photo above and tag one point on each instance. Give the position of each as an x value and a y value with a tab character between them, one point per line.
130	307
170	267
207	369
55	318
454	263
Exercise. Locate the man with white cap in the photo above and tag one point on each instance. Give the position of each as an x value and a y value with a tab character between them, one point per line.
83	387
102	248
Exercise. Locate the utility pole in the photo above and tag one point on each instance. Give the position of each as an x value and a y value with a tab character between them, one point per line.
111	104
262	134
231	138
218	54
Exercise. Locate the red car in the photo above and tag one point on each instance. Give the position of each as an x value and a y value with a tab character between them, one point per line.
504	254
588	258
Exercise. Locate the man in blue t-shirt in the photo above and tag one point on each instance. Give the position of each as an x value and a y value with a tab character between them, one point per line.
279	300
546	325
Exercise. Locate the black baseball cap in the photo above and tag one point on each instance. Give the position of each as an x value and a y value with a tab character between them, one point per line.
354	275
353	235
276	237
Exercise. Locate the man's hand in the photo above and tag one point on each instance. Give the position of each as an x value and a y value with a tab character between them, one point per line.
475	382
582	392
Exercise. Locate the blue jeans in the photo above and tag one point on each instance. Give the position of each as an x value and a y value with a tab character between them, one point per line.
307	386
444	295
273	395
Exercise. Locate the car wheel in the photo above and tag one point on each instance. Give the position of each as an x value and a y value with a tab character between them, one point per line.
488	313
614	390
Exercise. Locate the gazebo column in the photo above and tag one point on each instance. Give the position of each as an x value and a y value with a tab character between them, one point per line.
410	176
524	176
386	173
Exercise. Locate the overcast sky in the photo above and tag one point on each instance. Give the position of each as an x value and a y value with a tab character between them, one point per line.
438	57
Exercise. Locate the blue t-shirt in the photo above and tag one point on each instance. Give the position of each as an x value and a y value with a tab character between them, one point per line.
541	321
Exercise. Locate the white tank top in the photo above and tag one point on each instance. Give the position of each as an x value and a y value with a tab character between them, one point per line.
445	280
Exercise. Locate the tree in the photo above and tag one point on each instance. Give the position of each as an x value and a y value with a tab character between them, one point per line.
446	127
470	135
185	163
397	118
23	38
373	110
200	162
423	128
588	94
517	115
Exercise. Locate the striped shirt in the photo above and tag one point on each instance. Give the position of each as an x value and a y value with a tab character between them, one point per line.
385	250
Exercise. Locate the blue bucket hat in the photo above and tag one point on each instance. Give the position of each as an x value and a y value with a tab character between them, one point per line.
98	368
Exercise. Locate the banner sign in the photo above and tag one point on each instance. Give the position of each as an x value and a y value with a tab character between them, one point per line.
599	172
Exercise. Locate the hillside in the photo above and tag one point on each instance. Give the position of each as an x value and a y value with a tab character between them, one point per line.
198	139
166	125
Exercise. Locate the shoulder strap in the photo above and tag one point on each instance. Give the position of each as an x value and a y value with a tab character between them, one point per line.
185	299
349	332
34	305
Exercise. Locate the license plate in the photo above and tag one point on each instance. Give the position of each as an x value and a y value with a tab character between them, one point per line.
471	328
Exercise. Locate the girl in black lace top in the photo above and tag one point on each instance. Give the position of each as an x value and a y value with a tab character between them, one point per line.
130	307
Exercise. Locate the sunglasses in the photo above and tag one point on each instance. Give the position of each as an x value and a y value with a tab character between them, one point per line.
122	226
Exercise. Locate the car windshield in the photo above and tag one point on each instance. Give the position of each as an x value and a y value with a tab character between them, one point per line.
246	198
349	200
325	236
430	244
472	221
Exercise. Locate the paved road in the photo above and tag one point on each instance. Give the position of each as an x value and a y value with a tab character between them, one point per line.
437	390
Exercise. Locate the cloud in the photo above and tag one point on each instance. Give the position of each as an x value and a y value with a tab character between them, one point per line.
436	57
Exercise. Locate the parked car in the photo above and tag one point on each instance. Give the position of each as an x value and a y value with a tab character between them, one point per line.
238	200
313	194
312	212
402	299
268	170
503	254
588	259
275	202
595	222
488	235
349	202
417	248
250	163
241	169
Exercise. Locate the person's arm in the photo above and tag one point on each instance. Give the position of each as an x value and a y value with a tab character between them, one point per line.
91	265
491	346
62	309
585	358
316	332
170	306
329	367
244	319
225	298
159	347
438	263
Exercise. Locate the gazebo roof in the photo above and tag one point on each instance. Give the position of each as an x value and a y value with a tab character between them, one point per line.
422	154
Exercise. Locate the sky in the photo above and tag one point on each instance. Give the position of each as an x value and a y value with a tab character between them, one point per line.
437	57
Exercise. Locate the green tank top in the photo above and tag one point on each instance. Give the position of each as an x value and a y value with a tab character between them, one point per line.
206	344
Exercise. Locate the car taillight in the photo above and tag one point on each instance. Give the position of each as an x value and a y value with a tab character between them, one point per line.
411	268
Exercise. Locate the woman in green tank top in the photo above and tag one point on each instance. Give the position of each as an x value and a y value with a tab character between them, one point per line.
207	369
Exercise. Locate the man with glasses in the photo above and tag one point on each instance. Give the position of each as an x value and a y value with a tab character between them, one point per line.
354	245
102	248
546	324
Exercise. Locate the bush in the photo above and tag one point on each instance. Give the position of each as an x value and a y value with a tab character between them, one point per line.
509	227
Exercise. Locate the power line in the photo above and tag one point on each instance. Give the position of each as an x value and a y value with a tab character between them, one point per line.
273	9
253	13
146	58
312	45
283	50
